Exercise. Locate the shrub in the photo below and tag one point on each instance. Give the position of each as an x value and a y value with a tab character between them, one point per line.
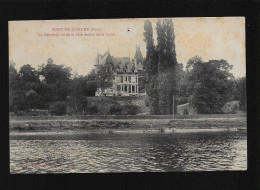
92	110
231	107
130	109
58	108
115	110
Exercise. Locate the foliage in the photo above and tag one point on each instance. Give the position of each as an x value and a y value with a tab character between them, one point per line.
29	74
83	85
210	84
167	66
82	103
59	91
161	67
104	77
58	108
130	109
151	69
14	88
230	107
53	73
241	93
90	85
32	100
114	110
92	110
182	100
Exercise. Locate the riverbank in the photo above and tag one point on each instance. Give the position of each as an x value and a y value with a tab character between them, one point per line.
124	125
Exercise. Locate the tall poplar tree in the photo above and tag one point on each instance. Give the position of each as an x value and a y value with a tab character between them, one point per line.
172	62
151	69
167	64
160	67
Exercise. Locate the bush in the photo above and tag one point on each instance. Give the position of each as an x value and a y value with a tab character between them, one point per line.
115	110
231	107
92	110
58	108
130	109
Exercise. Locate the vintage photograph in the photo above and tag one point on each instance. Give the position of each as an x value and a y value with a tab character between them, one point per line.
127	95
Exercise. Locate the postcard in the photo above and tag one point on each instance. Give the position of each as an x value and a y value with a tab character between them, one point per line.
127	95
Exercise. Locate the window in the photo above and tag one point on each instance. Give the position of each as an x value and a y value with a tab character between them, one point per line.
133	79
129	78
121	77
125	78
125	88
118	88
129	88
122	88
133	88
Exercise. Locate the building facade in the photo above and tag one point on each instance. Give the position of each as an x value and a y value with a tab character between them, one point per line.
126	73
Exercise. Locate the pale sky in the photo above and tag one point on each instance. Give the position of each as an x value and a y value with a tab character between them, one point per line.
210	38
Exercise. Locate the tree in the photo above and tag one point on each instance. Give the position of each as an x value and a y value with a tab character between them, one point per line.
82	104
161	45
29	74
58	108
56	80
32	100
53	73
59	91
210	84
90	84
151	69
104	77
151	62
15	93
160	67
14	77
241	92
167	66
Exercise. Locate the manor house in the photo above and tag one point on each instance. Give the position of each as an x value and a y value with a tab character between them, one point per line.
127	74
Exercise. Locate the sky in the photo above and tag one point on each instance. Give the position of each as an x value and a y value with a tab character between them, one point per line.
77	43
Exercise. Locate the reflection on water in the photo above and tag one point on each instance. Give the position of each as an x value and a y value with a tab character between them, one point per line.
128	152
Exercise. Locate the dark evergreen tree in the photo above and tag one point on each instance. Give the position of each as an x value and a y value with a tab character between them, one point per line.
161	45
167	66
151	69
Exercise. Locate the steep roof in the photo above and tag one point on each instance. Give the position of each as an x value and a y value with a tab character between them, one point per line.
123	64
104	57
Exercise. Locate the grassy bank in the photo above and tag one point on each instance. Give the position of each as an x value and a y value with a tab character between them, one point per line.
124	117
95	125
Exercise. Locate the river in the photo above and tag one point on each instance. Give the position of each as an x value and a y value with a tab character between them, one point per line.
136	152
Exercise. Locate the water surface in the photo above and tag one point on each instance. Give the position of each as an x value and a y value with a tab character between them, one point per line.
139	152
